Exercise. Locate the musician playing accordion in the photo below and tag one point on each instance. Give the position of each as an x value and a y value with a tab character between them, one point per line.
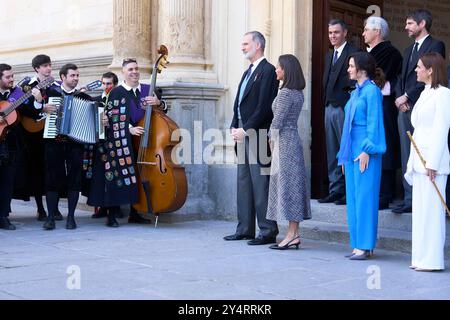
64	156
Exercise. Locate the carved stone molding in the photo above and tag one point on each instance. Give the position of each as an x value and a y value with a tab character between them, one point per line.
181	26
132	32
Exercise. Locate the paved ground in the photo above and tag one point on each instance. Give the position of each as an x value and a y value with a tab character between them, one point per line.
189	260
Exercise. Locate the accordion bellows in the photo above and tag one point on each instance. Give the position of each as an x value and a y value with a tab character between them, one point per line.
75	118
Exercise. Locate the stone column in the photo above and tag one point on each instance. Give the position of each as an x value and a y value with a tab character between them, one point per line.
132	32
183	26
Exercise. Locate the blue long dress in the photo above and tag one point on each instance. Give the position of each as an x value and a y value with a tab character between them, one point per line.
363	132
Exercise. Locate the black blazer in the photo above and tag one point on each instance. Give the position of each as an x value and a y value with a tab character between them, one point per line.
256	105
339	81
408	78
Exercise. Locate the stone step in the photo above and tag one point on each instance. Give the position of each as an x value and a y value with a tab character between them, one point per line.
331	213
394	240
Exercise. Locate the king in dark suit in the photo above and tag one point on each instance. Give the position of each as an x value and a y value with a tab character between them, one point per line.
408	90
336	85
251	122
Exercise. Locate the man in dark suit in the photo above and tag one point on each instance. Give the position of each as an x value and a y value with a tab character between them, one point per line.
418	25
336	83
251	121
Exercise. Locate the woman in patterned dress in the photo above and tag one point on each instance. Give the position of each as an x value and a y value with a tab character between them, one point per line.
288	192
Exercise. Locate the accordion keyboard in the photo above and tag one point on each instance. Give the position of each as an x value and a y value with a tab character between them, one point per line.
51	121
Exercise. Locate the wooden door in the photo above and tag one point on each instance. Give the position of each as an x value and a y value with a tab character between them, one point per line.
354	13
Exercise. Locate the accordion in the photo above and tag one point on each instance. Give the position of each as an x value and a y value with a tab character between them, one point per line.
78	119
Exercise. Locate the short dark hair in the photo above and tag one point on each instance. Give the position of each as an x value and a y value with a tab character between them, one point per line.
4	67
258	37
127	61
293	73
340	22
111	75
364	61
437	63
40	60
422	14
65	69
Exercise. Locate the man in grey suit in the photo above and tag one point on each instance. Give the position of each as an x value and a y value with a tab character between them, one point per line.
336	85
251	121
408	90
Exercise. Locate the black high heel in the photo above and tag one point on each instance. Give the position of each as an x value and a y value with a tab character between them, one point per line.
287	245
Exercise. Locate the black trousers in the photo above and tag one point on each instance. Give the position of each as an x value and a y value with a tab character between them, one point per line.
63	166
6	187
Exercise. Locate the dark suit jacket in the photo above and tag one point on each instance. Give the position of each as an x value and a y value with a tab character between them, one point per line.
339	81
256	105
408	79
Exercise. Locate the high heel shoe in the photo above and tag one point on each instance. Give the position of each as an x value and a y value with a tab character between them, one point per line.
362	256
287	245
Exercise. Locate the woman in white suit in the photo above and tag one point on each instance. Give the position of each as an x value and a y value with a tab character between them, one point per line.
431	121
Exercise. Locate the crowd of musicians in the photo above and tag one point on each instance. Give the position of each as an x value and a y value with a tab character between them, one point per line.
31	166
372	98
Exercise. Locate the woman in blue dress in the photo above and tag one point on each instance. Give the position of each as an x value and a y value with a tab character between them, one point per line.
362	146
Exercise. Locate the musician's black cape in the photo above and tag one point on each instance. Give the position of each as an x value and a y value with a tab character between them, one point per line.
390	60
30	164
114	179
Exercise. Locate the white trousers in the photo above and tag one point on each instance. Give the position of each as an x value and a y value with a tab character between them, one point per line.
428	223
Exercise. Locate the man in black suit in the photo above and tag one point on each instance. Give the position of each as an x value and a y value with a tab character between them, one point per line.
251	121
418	25
336	83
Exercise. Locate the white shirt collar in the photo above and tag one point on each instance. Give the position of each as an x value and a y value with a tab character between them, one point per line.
256	63
421	41
33	80
128	88
6	91
66	91
341	48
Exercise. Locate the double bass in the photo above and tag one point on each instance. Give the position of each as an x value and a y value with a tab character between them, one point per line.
162	184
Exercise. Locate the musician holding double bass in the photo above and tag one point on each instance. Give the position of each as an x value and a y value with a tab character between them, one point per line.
63	157
115	179
10	146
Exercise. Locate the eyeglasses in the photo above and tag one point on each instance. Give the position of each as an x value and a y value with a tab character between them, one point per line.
127	61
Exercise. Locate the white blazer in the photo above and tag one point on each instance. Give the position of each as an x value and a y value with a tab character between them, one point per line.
431	121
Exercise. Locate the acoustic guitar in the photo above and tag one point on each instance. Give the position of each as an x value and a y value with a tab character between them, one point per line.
8	109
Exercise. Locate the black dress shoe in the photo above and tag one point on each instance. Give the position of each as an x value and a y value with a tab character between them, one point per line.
332	197
71	224
49	224
41	216
136	218
6	225
112	222
237	237
58	216
262	241
341	202
405	209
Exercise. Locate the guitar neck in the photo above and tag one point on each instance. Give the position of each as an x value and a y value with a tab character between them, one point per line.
18	102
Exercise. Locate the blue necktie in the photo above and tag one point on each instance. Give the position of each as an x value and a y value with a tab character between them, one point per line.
243	87
335	57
